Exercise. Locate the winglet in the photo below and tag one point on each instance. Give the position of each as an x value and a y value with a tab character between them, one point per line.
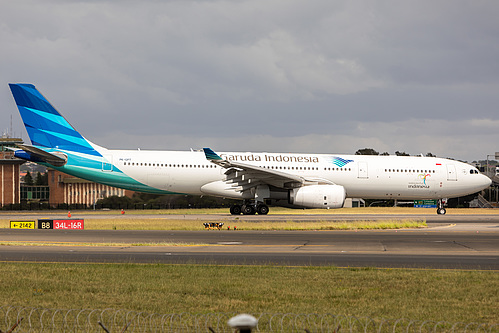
211	155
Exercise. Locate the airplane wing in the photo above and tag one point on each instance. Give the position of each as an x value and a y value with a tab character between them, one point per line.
246	176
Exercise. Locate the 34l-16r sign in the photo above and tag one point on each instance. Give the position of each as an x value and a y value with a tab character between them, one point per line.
69	224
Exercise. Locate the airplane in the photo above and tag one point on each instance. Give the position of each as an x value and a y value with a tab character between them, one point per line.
260	179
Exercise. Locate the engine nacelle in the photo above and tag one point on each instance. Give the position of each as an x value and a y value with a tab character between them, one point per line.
318	196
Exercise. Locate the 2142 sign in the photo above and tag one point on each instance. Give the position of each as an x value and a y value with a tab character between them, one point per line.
22	224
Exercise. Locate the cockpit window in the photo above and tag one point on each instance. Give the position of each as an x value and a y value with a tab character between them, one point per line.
473	171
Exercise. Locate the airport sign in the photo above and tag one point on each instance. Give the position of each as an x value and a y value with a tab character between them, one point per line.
22	224
65	224
425	203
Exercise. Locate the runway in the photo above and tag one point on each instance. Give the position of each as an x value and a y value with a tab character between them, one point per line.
457	242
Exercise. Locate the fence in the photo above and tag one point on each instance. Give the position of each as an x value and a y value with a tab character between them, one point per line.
21	319
28	206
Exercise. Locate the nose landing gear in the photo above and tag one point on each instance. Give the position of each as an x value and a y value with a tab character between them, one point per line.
440	207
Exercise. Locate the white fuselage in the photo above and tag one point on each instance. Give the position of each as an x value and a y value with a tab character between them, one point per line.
362	176
300	180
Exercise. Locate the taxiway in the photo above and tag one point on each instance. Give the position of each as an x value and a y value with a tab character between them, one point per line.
457	242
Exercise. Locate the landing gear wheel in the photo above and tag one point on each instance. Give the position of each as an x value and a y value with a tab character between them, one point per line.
248	210
441	211
440	207
262	209
235	210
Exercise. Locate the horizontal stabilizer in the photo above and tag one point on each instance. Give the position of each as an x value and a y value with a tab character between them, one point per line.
34	154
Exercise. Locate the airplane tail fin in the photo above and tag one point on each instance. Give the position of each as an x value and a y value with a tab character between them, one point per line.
46	127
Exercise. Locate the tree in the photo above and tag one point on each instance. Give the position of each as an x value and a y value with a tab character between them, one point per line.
366	151
430	155
401	153
384	154
28	180
40	179
115	202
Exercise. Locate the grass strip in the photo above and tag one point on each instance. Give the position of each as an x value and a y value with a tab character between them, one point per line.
43	243
121	223
436	295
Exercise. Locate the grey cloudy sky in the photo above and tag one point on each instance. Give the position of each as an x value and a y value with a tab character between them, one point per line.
262	75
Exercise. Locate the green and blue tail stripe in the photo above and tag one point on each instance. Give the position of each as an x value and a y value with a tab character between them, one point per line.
45	126
49	131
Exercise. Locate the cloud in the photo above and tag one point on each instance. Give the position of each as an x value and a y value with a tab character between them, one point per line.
263	73
415	136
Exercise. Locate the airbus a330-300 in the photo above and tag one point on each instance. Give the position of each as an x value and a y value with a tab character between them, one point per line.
257	179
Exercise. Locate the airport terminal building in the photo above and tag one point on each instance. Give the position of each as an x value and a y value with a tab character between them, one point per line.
62	189
66	189
10	182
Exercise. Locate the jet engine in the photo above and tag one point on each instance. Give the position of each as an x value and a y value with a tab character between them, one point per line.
318	196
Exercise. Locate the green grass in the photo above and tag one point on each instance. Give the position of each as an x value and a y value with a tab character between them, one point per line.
154	223
329	225
452	296
97	244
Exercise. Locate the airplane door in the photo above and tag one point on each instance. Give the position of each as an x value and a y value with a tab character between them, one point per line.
107	163
363	170
451	172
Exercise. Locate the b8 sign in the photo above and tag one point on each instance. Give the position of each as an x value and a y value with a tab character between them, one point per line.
45	224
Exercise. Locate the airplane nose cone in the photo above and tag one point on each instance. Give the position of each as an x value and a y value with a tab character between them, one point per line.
486	181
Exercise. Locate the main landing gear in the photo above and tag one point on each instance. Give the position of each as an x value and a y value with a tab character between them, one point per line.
440	207
250	209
